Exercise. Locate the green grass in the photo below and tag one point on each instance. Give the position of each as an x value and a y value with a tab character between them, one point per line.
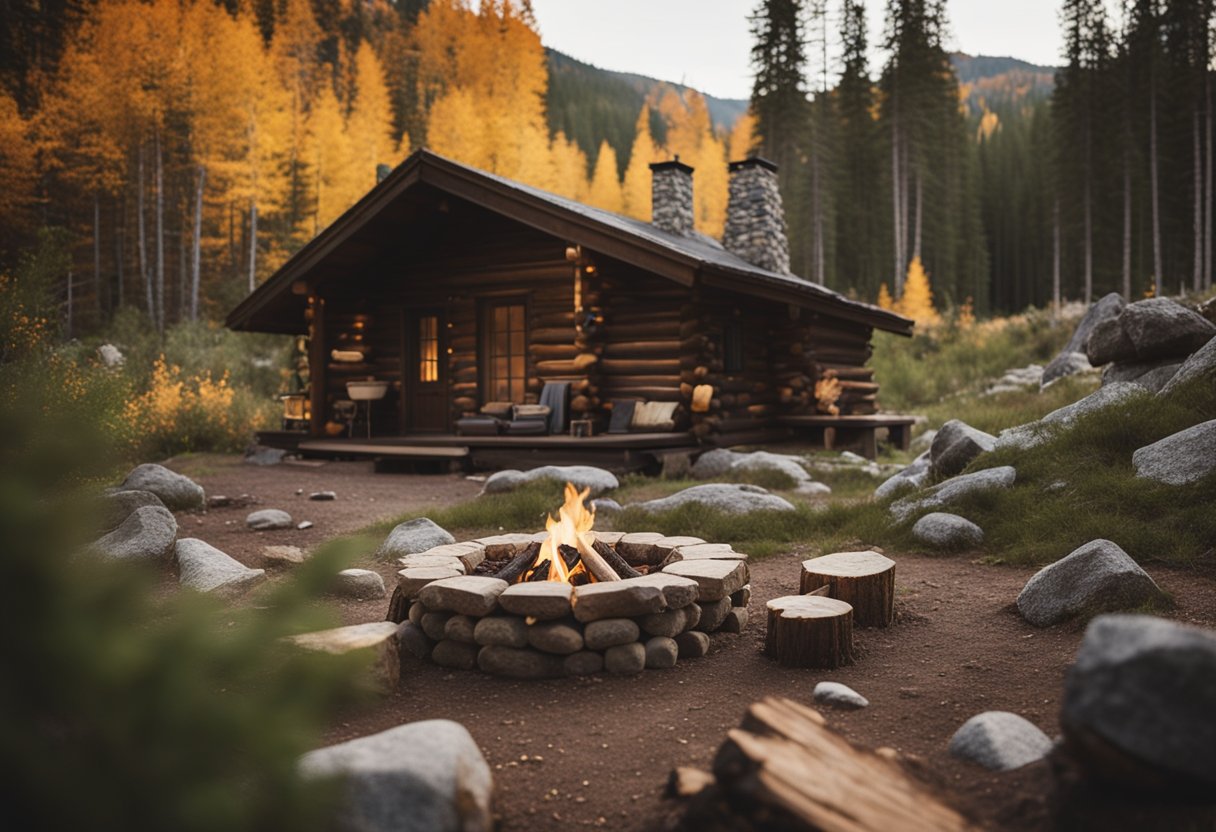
996	412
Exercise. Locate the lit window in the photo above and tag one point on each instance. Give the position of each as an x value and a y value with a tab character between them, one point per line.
428	348
505	353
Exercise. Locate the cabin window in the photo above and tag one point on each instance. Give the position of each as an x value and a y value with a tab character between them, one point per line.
505	352
732	348
428	348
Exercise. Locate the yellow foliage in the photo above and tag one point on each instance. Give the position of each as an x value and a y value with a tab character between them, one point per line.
827	393
989	123
884	298
18	168
636	187
966	315
370	123
690	135
605	187
21	330
917	300
742	138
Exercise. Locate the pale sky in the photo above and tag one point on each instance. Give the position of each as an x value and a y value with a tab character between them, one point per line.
706	43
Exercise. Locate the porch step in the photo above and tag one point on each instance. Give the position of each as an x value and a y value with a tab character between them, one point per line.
347	447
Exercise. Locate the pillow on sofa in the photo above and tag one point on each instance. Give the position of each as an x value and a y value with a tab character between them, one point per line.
479	426
654	416
532	412
499	410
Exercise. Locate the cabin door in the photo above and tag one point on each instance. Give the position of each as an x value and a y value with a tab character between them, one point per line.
424	394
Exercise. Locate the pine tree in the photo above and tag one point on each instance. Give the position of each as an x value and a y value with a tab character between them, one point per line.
605	187
917	300
636	187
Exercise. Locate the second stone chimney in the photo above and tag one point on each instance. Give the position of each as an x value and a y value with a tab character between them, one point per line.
755	220
671	197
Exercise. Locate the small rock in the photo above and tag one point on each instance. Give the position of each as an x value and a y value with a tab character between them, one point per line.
947	531
839	695
1181	458
713	613
503	630
457	655
358	583
667	623
323	496
413	537
692	644
580	476
460	628
434	624
606	507
1000	741
955	445
741	597
909	478
520	664
555	637
414	641
281	556
304	524
1064	364
661	652
204	568
1096	577
625	659
953	489
111	356
176	491
735	621
583	663
721	497
713	464
146	534
379	639
420	777
609	632
269	519
262	455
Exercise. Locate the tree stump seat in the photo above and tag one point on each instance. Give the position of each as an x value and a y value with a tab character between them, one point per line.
866	580
809	631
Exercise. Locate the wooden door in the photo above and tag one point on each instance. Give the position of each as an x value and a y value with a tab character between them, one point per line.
425	391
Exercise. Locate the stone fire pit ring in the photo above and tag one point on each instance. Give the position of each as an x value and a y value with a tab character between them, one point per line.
454	612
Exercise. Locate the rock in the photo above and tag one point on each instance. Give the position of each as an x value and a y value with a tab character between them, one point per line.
475	595
457	655
111	356
1064	364
146	534
1000	741
715	579
1151	375
116	506
713	464
377	639
583	663
520	663
605	507
304	525
735	621
417	610
557	637
812	489
692	644
503	546
413	579
1035	433
358	583
543	599
459	628
580	476
1096	577
763	461
282	556
721	497
323	496
1152	328
609	632
667	623
413	641
1181	458
435	624
838	695
713	613
947	531
269	519
420	777
909	478
741	597
502	630
1072	359
470	553
1201	364
617	599
955	445
1138	703
262	455
204	568
922	443
661	652
677	590
705	551
953	489
177	492
625	659
413	537
692	616
426	560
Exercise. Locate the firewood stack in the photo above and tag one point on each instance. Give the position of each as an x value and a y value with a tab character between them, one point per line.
784	770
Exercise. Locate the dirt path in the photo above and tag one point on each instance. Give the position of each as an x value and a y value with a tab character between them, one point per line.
596	751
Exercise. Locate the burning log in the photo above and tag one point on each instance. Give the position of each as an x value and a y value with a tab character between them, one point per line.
614	560
595	564
520	564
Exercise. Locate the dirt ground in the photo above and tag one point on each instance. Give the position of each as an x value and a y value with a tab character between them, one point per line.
596	751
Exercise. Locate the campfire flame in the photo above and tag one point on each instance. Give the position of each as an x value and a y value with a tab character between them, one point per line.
571	528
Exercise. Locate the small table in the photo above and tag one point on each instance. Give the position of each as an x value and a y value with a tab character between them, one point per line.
580	427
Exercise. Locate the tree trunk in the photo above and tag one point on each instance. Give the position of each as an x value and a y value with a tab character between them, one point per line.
145	270
1089	243
1055	256
1207	183
1197	212
119	232
898	278
905	193
68	326
1127	224
196	242
809	631
1152	140
97	250
864	580
817	207
160	236
919	206
253	244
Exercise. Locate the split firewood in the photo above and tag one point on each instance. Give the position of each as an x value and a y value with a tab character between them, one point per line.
520	564
595	564
614	560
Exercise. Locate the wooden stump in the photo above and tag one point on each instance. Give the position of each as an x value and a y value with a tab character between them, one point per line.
866	580
809	631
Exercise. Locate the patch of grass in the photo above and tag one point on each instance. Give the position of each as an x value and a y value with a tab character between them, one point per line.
522	510
994	413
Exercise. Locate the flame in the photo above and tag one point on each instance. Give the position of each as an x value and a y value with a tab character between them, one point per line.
571	527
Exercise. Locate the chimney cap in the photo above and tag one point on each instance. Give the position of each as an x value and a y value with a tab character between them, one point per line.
673	164
752	161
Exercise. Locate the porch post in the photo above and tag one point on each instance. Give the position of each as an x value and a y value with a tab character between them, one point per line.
316	368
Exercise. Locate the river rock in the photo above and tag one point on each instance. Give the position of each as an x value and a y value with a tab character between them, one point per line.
176	491
475	595
1201	364
713	613
947	531
413	641
715	579
456	655
520	663
609	632
204	568
580	476
502	630
420	777
764	461
692	644
1096	577
1181	458
625	659
735	621
661	652
955	488
413	537
434	624
358	583
1146	329
1000	741
909	478
956	444
583	663
667	623
377	639
460	628
837	695
542	599
557	637
1138	703
269	519
721	497
146	534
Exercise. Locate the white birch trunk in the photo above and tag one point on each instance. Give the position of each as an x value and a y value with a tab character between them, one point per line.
919	206
1127	224
1197	208
253	244
1055	257
196	242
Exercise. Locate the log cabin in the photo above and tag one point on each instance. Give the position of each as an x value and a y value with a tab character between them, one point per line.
453	314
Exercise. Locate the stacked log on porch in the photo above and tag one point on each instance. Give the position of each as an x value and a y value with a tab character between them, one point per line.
843	349
793	364
463	370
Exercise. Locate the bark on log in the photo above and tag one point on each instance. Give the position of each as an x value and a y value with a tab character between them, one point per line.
864	580
614	560
809	631
398	607
520	564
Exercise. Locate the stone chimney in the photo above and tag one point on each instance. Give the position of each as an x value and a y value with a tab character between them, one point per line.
671	197
755	220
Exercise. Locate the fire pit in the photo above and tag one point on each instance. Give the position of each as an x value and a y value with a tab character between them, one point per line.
569	600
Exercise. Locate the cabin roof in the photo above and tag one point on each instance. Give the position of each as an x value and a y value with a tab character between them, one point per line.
686	260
